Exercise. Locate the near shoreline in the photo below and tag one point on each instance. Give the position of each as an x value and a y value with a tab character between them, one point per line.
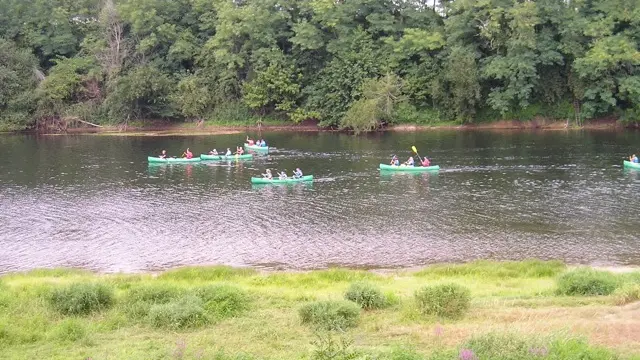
480	310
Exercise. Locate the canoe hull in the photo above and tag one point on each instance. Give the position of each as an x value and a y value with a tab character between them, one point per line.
629	164
256	180
225	158
158	160
409	168
256	148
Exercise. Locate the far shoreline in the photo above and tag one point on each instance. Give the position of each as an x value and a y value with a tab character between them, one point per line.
164	128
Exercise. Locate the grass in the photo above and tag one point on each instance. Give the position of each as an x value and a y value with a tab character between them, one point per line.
227	313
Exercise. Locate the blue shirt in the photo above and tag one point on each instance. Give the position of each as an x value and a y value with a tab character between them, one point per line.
634	160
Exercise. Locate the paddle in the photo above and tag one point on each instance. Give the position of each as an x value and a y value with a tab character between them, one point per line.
416	151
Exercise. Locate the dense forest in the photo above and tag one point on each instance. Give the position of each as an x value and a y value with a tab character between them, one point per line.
346	63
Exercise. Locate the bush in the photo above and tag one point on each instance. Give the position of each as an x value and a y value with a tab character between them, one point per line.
70	330
627	294
366	295
186	312
223	301
447	300
81	299
328	348
330	315
586	282
140	299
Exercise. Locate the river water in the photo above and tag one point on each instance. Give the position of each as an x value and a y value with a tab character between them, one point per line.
93	201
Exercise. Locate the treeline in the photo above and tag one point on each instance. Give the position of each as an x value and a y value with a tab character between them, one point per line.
347	63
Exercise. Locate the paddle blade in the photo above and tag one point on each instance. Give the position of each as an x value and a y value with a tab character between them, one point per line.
414	149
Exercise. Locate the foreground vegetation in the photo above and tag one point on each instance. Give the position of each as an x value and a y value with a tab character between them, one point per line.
353	64
480	310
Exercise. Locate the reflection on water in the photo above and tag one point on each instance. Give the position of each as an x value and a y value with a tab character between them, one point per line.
94	202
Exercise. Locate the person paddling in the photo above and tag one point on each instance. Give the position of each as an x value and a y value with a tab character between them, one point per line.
263	143
250	142
283	176
394	161
633	158
410	161
163	155
188	154
298	173
426	162
213	152
268	175
239	150
228	153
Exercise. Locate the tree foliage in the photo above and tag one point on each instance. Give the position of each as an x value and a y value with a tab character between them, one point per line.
464	60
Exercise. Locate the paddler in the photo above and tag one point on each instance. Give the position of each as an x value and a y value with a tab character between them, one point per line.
298	173
239	150
633	158
410	161
250	142
188	154
394	161
268	175
213	152
426	162
163	155
228	153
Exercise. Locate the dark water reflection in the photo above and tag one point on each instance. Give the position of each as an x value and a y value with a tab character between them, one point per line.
94	202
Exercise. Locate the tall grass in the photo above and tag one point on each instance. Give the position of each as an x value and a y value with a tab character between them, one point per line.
366	295
81	298
186	312
330	315
587	282
223	301
492	269
213	273
445	300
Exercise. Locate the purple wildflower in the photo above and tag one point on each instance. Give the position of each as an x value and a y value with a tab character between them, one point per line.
467	354
438	330
539	351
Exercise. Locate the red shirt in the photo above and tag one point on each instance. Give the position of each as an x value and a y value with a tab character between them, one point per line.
189	155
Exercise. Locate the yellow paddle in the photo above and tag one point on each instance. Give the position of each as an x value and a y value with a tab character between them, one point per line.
416	151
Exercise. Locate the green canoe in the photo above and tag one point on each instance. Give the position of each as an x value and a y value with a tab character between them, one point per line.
256	148
409	168
259	180
629	164
226	158
152	159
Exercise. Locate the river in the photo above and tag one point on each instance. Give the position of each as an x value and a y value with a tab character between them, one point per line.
93	202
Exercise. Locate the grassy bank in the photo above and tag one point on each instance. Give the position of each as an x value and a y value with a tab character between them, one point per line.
481	310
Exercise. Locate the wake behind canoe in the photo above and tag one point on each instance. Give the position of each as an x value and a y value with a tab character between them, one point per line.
629	164
158	160
260	180
226	158
409	168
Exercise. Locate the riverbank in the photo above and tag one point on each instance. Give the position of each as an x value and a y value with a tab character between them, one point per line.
495	310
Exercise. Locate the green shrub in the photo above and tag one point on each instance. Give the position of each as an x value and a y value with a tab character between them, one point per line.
586	282
223	301
328	348
330	315
140	299
447	300
366	295
185	312
577	349
511	347
501	346
81	298
627	294
70	330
